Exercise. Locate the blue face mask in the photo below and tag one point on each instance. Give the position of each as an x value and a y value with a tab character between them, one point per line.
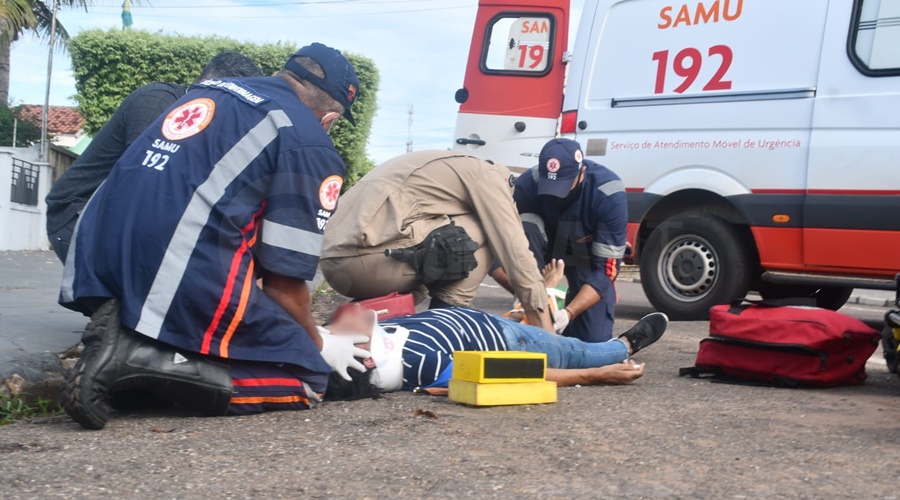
564	203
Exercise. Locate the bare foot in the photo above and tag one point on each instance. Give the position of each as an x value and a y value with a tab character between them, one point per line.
554	273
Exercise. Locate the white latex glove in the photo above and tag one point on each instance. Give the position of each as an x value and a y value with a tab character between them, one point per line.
340	351
561	320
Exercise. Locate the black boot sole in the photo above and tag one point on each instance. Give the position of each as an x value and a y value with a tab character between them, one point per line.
76	400
72	396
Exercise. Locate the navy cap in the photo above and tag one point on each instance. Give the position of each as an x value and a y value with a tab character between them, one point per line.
560	163
340	80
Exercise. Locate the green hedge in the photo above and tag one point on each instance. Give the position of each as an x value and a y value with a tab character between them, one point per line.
108	65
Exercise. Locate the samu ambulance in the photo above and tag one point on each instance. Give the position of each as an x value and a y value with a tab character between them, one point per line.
758	140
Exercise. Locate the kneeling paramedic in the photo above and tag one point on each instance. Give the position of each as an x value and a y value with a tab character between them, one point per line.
442	218
223	190
575	210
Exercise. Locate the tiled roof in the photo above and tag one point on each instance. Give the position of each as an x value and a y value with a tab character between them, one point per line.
61	120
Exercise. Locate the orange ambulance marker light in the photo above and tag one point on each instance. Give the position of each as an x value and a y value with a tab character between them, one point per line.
781	218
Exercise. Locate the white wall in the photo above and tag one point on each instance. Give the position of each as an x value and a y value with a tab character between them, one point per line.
22	227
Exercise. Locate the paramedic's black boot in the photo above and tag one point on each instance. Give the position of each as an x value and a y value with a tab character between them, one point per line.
116	359
141	399
647	331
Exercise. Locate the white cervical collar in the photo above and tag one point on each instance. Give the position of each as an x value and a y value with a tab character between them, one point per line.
387	353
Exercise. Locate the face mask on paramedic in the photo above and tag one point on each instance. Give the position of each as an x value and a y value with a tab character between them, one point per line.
329	120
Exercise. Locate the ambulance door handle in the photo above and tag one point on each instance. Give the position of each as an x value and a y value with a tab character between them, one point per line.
474	142
520	126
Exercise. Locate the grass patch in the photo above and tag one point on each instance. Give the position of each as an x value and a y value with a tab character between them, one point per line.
14	408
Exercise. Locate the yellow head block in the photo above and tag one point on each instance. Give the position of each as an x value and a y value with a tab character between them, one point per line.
528	393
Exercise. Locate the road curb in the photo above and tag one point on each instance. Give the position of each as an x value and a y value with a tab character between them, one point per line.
870	301
31	377
630	274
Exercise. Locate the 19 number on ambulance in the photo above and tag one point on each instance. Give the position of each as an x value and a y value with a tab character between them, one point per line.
687	63
529	40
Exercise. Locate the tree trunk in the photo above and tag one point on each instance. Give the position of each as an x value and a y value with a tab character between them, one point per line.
4	70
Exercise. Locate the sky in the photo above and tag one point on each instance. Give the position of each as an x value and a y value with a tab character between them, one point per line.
419	46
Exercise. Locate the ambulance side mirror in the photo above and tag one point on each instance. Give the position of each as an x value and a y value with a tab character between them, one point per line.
462	95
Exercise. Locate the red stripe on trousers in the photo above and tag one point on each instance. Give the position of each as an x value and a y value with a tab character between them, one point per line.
260	382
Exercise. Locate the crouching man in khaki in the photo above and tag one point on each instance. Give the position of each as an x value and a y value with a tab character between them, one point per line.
399	203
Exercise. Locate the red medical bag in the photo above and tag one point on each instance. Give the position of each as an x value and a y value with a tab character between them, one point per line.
389	306
785	346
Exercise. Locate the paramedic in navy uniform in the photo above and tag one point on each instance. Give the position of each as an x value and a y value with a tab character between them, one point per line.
575	210
235	183
74	188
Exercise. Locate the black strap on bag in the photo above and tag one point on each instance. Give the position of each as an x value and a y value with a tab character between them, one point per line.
739	306
445	256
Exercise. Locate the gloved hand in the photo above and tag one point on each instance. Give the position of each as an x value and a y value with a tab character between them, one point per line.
561	320
340	351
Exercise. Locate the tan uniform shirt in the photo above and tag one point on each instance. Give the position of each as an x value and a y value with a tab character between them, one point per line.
399	202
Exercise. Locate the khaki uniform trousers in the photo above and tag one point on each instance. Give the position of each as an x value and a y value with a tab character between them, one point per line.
374	275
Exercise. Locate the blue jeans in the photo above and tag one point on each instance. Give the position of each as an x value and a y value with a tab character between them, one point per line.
563	352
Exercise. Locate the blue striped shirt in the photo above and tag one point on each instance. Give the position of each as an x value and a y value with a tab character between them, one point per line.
435	334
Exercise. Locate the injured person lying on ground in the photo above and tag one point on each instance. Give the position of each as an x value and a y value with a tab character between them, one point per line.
416	351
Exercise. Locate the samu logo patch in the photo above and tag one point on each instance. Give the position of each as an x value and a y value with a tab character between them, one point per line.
329	191
188	119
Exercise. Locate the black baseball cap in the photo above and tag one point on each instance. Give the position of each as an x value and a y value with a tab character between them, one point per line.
559	164
340	81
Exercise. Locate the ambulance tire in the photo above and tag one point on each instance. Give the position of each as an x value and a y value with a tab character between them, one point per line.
826	297
692	262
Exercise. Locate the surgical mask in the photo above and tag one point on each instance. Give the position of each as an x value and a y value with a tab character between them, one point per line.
563	203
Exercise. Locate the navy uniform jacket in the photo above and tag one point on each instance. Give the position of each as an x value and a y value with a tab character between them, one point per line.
236	179
76	185
590	232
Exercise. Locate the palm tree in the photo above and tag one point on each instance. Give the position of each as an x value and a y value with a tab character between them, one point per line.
20	16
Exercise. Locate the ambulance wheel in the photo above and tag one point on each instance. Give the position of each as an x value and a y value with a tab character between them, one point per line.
693	262
826	297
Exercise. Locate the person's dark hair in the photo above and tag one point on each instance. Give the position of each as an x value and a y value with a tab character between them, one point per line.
315	97
229	65
359	386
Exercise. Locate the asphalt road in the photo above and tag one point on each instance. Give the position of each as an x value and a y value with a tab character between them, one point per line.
30	319
662	436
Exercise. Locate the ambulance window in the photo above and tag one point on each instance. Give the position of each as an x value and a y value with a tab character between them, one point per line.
518	44
875	37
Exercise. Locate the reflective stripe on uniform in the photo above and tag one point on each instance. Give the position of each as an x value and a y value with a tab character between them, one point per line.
178	253
67	290
537	221
607	251
291	238
612	187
